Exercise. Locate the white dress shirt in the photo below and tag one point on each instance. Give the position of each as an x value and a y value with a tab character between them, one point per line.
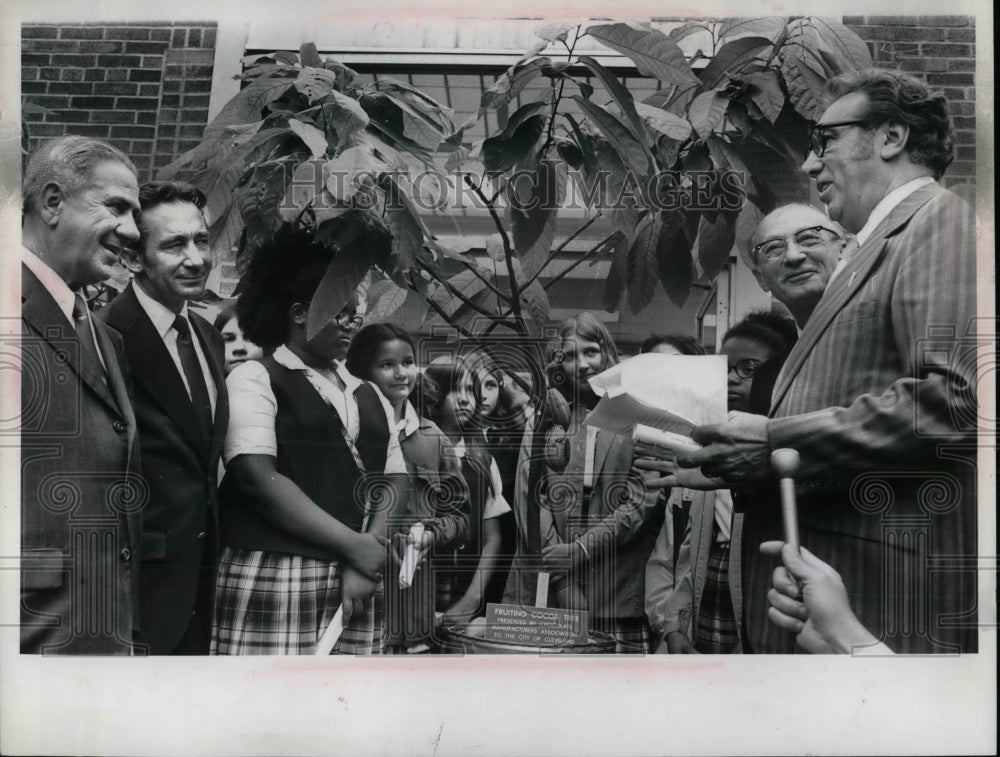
253	407
398	430
163	321
61	293
888	203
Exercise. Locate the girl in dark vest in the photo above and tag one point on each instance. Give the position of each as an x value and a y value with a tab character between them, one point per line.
464	575
297	541
423	484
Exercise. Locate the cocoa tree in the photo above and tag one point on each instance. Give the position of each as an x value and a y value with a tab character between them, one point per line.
680	175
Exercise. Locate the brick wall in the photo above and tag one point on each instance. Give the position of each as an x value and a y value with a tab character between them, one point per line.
942	51
142	86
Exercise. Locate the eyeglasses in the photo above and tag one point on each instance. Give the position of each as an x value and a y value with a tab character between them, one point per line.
809	239
818	137
745	368
349	321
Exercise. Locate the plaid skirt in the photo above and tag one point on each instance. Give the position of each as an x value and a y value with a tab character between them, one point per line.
632	635
268	603
715	627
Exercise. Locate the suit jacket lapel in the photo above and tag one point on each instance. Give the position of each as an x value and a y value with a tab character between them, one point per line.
151	365
40	310
848	282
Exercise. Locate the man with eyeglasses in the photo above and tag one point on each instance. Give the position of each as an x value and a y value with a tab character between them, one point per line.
876	395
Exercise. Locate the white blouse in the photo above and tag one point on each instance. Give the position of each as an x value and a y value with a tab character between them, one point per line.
253	407
496	505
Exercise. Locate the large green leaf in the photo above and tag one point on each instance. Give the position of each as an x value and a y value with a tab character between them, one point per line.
769	26
518	117
631	151
344	115
407	236
772	172
706	112
747	221
621	96
536	302
315	83
246	107
348	172
338	285
730	57
665	122
602	186
715	243
687	29
384	299
309	55
805	87
501	154
766	92
314	139
641	262
533	214
673	258
844	43
511	82
555	32
653	52
424	104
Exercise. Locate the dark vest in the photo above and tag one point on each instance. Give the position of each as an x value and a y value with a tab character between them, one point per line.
312	452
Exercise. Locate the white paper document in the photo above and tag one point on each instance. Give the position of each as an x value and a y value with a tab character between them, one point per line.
672	393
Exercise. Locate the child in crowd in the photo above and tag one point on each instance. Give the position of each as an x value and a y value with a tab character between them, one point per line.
701	613
293	532
423	479
239	349
465	574
605	521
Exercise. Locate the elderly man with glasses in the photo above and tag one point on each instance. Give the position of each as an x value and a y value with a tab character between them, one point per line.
879	394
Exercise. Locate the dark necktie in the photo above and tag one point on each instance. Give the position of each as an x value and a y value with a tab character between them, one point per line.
195	378
85	333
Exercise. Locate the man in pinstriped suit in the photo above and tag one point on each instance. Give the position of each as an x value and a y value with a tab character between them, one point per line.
876	395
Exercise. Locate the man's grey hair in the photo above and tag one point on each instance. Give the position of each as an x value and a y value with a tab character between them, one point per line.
746	250
67	161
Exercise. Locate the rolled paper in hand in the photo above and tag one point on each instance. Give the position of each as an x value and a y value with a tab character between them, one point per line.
785	463
411	556
542	589
332	634
655	442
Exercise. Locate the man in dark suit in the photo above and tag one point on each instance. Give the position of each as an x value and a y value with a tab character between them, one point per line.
176	361
879	394
81	494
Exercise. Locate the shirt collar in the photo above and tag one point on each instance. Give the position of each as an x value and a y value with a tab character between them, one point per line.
162	317
285	357
460	449
886	205
52	282
410	422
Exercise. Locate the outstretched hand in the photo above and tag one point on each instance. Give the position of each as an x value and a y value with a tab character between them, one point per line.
736	450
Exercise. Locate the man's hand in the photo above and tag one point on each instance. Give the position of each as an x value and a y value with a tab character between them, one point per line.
808	598
737	450
678	643
662	474
355	591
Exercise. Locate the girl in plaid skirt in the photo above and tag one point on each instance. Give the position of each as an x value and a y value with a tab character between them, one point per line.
426	482
292	522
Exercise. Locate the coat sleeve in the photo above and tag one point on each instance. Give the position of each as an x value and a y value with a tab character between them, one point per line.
660	573
450	523
632	508
932	304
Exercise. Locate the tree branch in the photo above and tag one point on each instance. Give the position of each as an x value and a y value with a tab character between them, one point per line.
489	284
449	320
508	253
577	262
560	248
